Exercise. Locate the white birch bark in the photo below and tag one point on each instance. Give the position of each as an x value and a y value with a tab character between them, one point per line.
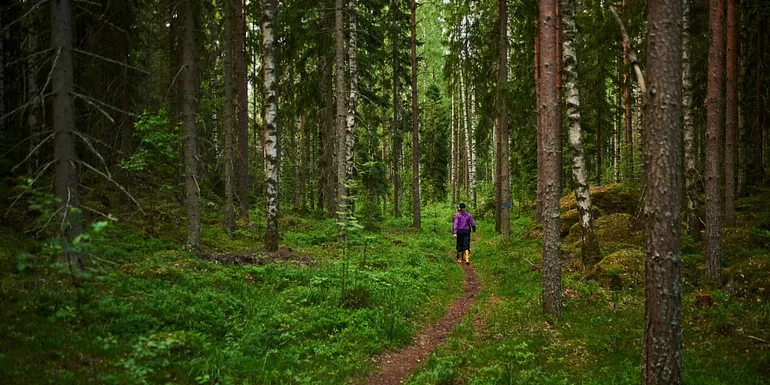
452	157
690	172
350	136
271	138
471	136
589	242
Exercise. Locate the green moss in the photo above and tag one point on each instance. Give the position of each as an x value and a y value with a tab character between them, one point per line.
750	276
627	265
614	198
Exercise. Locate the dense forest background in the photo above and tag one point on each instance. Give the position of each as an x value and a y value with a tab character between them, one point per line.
148	143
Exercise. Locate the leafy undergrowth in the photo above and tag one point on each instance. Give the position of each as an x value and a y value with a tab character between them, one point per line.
150	313
506	339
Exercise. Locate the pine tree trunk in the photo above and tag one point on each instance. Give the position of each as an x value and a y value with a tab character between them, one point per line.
552	298
742	90
731	111
341	132
352	100
2	81
227	69
559	124
539	122
714	126
758	118
617	134
243	110
627	115
189	80
662	362
415	126
397	151
271	137
66	179
34	123
590	243
503	147
330	182
690	171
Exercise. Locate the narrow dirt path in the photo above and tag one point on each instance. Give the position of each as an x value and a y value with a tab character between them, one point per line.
395	366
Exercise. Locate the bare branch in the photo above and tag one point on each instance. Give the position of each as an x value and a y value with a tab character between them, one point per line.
33	151
91	147
631	53
172	82
95	106
111	61
105	105
31	9
109	178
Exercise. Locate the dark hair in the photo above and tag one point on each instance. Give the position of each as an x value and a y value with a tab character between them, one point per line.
461	206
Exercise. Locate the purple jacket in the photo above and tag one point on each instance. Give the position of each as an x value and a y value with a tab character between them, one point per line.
463	221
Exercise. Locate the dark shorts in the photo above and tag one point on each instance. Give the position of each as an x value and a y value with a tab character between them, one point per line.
463	240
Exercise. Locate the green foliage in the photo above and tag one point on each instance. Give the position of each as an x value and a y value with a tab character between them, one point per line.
159	147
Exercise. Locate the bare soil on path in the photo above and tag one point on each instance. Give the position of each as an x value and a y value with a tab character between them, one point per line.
395	366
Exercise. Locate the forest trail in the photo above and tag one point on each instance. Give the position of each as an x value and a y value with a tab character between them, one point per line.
395	366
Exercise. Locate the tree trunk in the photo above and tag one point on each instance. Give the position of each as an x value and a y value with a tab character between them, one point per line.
243	111
271	137
453	149
627	115
617	134
690	170
742	88
33	121
758	119
552	298
330	183
352	100
227	69
503	172
662	362
341	132
589	241
560	134
731	111
415	126
466	129
397	150
539	123
2	82
189	111
66	179
714	122
303	142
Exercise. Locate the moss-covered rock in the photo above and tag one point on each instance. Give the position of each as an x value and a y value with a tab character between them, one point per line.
614	198
750	276
571	217
623	268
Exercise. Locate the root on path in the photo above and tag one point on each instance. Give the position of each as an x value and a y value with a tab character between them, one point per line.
395	366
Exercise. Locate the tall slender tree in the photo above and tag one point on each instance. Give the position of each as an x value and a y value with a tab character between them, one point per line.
589	241
731	111
690	156
243	110
714	125
270	132
552	298
65	156
662	362
415	125
627	114
189	109
503	198
341	132
350	138
227	75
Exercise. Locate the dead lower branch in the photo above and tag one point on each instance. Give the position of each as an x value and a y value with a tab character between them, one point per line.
109	178
631	52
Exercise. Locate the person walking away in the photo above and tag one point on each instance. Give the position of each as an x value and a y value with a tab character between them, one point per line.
463	224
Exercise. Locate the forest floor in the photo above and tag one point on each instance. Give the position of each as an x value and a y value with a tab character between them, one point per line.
322	312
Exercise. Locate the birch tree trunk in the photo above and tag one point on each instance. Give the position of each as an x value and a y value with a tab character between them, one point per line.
552	297
189	111
662	362
472	143
690	156
627	114
503	172
65	156
466	129
243	110
339	39
271	137
227	69
452	145
714	122
350	138
415	126
731	111
589	241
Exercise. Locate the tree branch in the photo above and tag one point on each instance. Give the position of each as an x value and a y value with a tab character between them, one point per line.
631	53
109	178
111	61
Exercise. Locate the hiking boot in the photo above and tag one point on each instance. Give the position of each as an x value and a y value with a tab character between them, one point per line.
467	257
459	257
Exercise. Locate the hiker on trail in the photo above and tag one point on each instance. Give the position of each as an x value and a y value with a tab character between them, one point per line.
463	225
